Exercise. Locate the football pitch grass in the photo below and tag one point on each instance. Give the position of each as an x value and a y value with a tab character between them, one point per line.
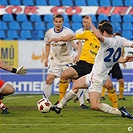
25	118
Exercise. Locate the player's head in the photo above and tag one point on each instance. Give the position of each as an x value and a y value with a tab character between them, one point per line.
58	21
85	24
117	34
105	26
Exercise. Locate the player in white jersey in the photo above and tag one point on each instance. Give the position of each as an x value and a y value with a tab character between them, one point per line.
60	53
108	54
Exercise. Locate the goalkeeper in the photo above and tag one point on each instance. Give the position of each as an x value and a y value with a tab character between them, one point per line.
5	88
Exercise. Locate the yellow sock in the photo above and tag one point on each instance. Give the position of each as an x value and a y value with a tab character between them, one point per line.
121	90
113	97
103	92
63	85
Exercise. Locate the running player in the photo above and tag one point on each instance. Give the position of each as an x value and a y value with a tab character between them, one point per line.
60	53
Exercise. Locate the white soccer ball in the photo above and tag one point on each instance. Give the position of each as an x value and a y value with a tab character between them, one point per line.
44	105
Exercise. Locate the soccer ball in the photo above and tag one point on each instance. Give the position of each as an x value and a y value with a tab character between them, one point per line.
44	105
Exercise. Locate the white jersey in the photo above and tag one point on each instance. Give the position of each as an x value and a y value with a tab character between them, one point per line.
108	54
60	51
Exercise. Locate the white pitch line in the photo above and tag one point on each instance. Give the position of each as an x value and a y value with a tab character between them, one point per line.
66	124
19	97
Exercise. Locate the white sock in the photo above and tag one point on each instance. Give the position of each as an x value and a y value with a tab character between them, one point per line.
86	93
80	95
108	109
47	91
66	98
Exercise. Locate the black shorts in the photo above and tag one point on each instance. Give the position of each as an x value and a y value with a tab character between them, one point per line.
116	72
82	68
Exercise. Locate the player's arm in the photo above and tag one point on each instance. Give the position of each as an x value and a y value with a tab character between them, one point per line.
47	51
74	45
64	38
128	58
21	70
96	31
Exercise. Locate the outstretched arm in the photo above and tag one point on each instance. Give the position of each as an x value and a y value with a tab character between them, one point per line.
96	31
128	58
21	70
64	38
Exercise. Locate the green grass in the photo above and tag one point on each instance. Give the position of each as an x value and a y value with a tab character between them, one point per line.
25	118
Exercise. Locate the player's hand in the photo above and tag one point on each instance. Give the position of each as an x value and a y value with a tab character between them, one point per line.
21	70
129	58
46	63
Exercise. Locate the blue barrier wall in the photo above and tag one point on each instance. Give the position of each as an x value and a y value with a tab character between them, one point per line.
33	82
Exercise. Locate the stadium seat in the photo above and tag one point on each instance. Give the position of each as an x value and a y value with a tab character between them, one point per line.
28	2
127	34
76	25
8	17
40	34
48	18
4	2
3	25
54	2
49	25
25	34
15	2
21	17
117	3
40	26
66	18
105	3
80	3
12	34
94	19
127	26
35	18
116	26
115	18
27	26
41	2
2	34
102	17
127	18
92	3
67	24
67	3
76	18
128	2
14	25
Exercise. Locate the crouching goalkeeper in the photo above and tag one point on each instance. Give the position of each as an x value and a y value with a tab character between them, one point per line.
5	88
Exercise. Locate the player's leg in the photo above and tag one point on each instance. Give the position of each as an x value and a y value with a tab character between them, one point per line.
80	96
86	94
69	73
48	86
94	94
79	83
5	89
121	89
3	107
117	73
103	93
111	93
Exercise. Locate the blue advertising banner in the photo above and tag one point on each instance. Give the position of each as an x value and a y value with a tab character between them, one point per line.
34	81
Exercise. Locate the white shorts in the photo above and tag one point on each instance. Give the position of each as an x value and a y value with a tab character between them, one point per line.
56	68
93	84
